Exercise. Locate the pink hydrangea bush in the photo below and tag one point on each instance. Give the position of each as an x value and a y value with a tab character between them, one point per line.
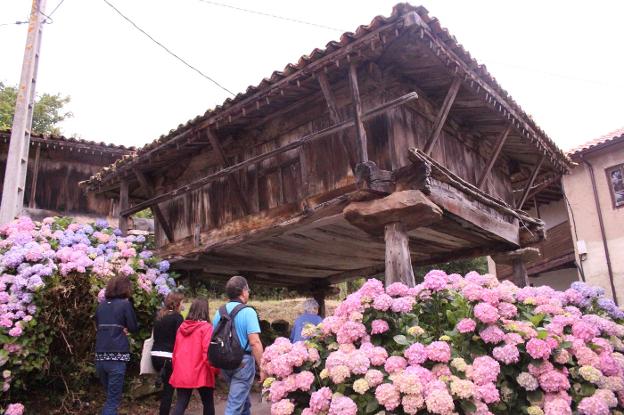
455	345
41	262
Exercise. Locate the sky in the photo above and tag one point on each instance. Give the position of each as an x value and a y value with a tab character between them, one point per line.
562	61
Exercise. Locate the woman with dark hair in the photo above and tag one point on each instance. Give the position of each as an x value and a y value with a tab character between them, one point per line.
191	368
114	318
168	320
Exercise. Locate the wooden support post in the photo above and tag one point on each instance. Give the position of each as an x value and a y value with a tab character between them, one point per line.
156	210
527	189
33	185
319	296
520	275
398	261
499	146
442	115
357	114
216	146
123	205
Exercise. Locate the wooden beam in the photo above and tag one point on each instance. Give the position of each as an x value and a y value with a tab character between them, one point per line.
238	192
33	183
160	216
330	99
252	160
357	114
442	115
527	189
499	146
334	114
123	205
398	260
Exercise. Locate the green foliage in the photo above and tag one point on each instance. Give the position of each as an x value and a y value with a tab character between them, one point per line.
144	214
47	114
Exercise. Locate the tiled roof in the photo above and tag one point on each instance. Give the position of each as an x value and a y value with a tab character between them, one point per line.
597	142
262	90
62	140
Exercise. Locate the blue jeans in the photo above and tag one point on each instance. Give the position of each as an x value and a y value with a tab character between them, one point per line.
111	374
240	381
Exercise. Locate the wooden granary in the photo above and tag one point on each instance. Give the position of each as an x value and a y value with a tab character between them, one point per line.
388	148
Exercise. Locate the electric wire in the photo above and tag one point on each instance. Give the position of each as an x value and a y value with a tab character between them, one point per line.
288	19
167	49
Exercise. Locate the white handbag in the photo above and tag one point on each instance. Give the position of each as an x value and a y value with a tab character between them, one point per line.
147	368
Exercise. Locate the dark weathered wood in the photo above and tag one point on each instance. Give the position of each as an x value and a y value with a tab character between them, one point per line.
330	99
442	115
520	275
334	114
370	177
35	175
499	146
356	100
411	207
148	188
398	260
238	192
253	160
123	205
527	189
319	296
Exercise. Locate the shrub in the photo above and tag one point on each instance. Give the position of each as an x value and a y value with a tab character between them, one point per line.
455	345
52	274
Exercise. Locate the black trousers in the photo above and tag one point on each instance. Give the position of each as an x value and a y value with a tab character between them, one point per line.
184	397
163	365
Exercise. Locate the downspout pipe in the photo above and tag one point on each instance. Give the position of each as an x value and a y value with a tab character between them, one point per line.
602	228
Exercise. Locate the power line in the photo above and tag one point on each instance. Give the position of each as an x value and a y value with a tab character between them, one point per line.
13	23
288	19
168	50
56	8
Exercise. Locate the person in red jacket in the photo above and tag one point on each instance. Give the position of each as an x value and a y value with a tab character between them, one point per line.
191	368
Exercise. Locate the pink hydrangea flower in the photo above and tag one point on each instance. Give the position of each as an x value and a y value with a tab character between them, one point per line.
439	401
395	364
492	334
379	326
485	370
283	407
507	354
397	289
416	354
466	325
486	313
320	400
374	377
538	349
14	409
435	280
388	396
439	351
342	405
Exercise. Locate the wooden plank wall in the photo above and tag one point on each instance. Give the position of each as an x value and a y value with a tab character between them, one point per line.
278	181
57	184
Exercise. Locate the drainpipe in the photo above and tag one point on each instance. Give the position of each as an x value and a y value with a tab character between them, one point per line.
602	229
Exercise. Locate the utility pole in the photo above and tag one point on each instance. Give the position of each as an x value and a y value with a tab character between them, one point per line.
17	159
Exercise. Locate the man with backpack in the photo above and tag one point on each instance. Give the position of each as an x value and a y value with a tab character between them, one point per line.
236	347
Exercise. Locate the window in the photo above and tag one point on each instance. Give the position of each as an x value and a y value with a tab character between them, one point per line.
615	175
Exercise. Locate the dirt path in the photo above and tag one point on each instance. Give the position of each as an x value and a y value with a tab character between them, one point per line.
257	407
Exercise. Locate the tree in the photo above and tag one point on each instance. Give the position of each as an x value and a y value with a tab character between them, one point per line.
47	114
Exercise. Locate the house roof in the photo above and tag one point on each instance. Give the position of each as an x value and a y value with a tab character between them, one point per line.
71	144
268	91
598	143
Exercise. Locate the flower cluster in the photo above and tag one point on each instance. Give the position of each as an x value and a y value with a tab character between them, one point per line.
35	256
455	344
